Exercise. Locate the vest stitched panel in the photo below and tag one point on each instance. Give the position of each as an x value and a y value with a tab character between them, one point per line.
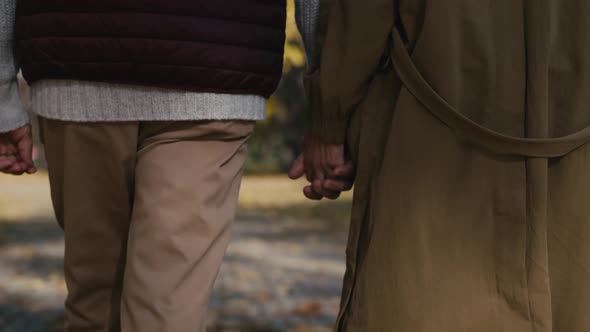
224	46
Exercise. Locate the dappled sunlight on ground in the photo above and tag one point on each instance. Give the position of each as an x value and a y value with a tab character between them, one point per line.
283	270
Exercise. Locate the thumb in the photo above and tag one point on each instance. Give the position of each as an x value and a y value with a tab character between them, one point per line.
298	168
347	170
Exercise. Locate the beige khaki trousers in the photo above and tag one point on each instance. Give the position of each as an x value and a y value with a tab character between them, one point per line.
146	209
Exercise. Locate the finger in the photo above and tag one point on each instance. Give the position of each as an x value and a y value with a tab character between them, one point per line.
347	170
318	187
6	162
7	149
335	155
334	161
331	195
326	166
298	169
31	170
308	165
318	170
311	194
16	169
338	185
328	171
25	150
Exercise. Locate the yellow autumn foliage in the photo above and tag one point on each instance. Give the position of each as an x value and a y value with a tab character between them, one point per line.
294	53
294	56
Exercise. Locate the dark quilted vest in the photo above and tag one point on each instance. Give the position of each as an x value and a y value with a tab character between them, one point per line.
223	46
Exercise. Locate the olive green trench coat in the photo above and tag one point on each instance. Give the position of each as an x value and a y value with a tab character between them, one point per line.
460	224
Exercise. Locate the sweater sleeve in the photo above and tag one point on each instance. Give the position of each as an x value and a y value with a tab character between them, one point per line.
357	34
307	14
12	112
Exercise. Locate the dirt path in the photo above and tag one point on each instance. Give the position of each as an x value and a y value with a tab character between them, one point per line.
282	272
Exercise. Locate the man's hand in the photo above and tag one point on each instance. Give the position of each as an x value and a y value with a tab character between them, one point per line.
326	168
16	151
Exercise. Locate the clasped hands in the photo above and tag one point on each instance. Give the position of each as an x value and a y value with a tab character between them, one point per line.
326	167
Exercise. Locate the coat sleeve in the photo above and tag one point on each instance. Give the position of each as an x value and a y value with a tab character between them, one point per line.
357	34
12	112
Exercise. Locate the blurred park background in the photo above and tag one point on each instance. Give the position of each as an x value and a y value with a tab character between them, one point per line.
283	270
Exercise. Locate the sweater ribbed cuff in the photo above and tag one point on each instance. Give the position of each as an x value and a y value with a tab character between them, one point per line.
13	114
14	121
323	120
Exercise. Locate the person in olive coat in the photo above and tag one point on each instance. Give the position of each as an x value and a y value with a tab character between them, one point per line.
467	122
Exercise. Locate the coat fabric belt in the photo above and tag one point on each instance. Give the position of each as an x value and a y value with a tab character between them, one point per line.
473	132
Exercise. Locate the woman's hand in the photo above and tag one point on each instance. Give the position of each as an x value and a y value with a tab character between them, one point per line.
326	168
